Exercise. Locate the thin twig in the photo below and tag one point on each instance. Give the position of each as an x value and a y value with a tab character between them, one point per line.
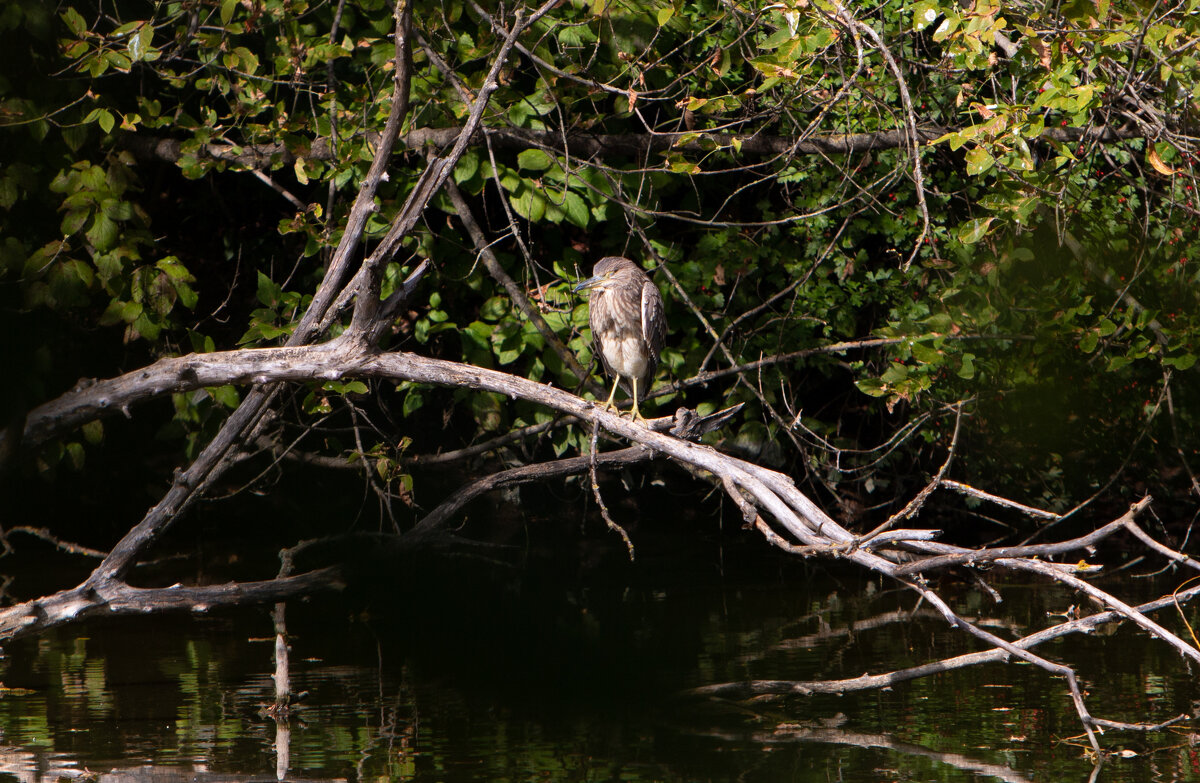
608	520
915	505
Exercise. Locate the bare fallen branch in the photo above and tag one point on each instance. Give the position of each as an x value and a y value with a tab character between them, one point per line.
117	598
773	497
986	555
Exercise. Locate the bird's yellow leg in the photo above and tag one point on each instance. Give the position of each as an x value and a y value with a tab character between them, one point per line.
609	405
637	415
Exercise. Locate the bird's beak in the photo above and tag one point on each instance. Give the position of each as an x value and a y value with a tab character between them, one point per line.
591	282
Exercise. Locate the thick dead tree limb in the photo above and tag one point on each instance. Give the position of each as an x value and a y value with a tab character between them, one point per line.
117	598
583	145
773	497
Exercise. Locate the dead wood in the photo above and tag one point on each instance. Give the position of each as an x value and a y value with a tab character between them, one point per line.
114	597
786	516
584	145
770	501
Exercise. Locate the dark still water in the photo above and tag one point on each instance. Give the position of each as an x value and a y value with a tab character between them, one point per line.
478	674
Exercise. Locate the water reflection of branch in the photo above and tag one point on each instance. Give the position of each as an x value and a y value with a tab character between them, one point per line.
36	767
799	732
749	688
828	633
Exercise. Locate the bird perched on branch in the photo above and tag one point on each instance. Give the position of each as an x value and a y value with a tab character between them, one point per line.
629	328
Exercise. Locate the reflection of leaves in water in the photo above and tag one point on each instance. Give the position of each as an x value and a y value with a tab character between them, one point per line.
76	678
206	719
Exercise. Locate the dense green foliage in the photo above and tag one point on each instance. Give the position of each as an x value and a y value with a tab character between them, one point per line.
1052	287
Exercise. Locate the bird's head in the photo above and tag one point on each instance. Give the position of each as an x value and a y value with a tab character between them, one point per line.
604	274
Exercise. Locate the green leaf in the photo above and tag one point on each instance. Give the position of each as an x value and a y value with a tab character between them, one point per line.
871	386
529	204
895	373
926	354
174	269
972	231
75	21
9	192
487	410
227	396
187	295
924	14
82	271
73	221
1116	363
93	431
1088	342
493	309
664	15
268	292
777	39
76	454
680	165
103	232
467	166
576	209
535	160
979	160
139	44
412	402
247	60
